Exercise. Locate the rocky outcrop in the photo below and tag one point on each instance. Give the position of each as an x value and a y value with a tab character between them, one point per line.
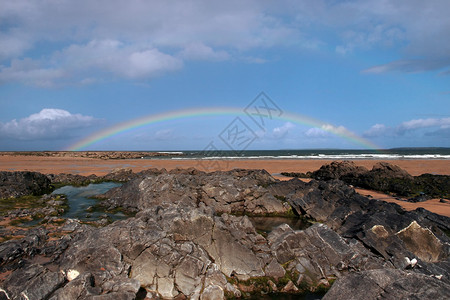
383	227
19	184
388	178
72	179
179	246
187	252
318	253
237	191
117	175
388	284
338	170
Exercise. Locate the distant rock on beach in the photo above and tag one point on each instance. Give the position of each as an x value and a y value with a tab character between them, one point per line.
94	154
384	177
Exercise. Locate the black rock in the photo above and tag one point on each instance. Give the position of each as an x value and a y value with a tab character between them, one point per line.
19	184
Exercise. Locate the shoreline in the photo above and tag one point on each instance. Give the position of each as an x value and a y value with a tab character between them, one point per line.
100	167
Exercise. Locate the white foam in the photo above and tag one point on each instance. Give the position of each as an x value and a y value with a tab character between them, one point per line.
325	157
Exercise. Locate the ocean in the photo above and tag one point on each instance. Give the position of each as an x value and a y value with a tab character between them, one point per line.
326	154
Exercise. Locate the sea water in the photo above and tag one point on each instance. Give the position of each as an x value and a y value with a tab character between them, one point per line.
325	154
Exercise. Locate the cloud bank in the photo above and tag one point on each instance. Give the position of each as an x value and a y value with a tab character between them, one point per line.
46	43
438	127
48	124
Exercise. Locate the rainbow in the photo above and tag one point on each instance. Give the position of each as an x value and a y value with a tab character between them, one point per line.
213	111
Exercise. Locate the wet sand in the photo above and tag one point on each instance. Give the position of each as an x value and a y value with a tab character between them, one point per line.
87	166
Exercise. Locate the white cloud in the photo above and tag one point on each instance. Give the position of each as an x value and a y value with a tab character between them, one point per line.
315	132
282	131
324	130
141	39
442	124
97	56
336	129
115	57
49	123
422	123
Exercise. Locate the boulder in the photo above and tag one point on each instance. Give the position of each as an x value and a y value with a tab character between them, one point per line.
338	170
24	183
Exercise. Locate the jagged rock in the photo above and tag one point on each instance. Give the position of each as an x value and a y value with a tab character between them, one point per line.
236	191
290	288
120	174
388	284
338	170
387	178
221	242
178	246
283	188
80	287
212	292
318	252
375	223
166	287
18	184
13	250
326	201
72	179
33	282
274	269
422	242
389	170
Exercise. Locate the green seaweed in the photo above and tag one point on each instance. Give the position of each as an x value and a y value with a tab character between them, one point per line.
8	204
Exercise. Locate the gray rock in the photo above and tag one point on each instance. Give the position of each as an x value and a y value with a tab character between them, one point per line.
233	191
319	252
33	283
274	269
380	226
212	292
177	245
80	287
388	284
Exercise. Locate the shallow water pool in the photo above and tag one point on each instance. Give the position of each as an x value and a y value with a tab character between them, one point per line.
80	200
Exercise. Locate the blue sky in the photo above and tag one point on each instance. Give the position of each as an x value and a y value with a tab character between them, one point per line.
378	69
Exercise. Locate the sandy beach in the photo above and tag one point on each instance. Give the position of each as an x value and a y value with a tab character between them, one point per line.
87	166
